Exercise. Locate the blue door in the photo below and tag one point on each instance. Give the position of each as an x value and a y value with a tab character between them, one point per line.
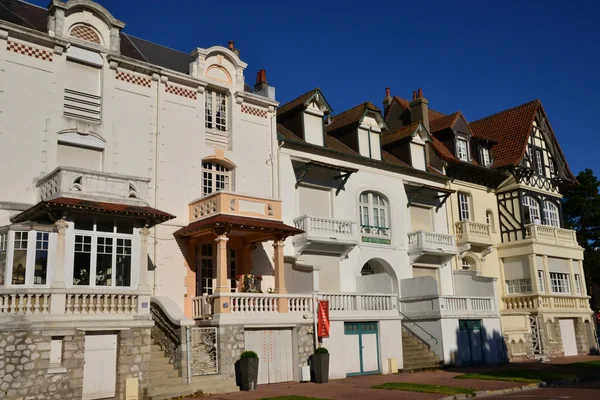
361	341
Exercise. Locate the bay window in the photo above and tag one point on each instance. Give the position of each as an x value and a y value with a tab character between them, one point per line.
19	263
559	283
40	272
103	253
577	284
24	258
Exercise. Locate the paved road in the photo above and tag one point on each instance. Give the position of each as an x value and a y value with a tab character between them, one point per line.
582	391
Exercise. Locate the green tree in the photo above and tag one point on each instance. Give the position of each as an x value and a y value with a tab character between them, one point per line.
581	212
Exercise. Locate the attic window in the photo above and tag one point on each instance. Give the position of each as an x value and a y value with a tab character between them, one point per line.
86	33
461	150
485	157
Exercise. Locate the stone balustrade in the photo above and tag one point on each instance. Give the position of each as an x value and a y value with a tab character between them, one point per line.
537	302
224	202
473	232
431	242
551	234
449	306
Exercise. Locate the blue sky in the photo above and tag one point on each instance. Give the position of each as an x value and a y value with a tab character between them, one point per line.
479	57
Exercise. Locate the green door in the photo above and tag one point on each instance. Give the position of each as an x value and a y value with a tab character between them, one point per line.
361	341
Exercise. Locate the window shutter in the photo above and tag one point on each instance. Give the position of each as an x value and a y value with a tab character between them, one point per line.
314	202
82	92
421	272
80	157
420	219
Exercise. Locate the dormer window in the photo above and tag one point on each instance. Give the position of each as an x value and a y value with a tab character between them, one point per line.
461	150
486	160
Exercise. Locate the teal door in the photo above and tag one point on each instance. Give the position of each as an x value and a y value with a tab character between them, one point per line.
470	342
361	341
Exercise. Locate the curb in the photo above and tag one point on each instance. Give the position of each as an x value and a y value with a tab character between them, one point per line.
531	386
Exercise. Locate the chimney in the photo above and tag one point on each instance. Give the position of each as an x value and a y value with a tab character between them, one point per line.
231	46
262	87
419	109
387	100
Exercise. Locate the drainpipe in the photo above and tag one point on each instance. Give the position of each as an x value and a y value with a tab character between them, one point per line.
156	176
274	153
188	340
315	333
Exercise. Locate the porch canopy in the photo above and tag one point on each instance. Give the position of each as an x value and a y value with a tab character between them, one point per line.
224	218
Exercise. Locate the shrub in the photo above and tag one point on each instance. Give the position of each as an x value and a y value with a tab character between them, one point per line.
321	350
248	354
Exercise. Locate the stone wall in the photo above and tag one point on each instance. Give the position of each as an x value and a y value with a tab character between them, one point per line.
304	334
170	338
133	359
231	344
551	341
583	347
519	357
24	363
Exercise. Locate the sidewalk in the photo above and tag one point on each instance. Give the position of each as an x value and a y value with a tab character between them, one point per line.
359	388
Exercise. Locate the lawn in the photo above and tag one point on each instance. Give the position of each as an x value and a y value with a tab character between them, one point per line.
518	375
292	398
422	388
587	364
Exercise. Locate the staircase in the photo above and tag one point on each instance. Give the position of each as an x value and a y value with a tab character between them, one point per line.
165	382
416	355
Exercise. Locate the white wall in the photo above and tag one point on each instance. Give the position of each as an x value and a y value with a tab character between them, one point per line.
390	344
335	345
313	129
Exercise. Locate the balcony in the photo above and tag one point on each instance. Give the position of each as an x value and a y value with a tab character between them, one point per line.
325	235
517	304
448	307
439	245
375	234
551	235
234	204
259	308
474	233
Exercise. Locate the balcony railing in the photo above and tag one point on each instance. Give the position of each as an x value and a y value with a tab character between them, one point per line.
236	204
473	232
431	242
248	305
460	306
325	228
31	302
375	234
531	302
551	235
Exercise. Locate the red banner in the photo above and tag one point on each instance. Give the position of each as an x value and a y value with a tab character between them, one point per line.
323	319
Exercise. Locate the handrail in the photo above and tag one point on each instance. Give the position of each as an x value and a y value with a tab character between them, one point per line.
420	327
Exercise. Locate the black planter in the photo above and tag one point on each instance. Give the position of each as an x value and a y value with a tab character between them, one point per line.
320	367
248	373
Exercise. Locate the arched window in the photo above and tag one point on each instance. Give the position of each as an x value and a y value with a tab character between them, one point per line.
551	214
215	177
367	269
373	210
532	210
466	264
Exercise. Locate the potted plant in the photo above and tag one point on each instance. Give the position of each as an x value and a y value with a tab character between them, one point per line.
248	370
320	365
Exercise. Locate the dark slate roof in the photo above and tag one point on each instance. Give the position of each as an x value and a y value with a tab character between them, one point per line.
33	17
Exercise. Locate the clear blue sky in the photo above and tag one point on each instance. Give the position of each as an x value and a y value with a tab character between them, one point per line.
479	57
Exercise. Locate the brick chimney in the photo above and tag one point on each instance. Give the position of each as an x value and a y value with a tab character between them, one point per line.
231	46
419	109
261	87
387	100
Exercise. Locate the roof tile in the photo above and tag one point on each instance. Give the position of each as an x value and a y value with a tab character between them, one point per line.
351	116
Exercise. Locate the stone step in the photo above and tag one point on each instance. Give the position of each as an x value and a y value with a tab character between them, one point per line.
157	354
422	365
155	347
171	391
161	365
163	373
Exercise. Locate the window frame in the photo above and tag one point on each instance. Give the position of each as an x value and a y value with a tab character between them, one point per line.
460	141
367	209
211	103
31	249
539	161
213	174
541	281
551	210
577	284
528	207
464	206
560	283
519	286
486	156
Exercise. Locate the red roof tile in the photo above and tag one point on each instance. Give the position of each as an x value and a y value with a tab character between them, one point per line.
351	116
298	101
442	151
405	104
239	222
444	122
510	129
402	133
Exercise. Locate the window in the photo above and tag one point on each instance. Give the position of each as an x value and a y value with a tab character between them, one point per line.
560	283
577	284
518	286
2	258
56	346
233	269
205	278
539	162
485	157
542	286
551	167
215	177
466	264
489	219
463	207
532	210
373	212
19	258
461	150
40	274
367	269
551	214
82	95
216	110
103	253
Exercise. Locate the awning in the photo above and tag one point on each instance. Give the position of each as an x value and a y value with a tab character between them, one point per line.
224	221
67	204
414	190
342	173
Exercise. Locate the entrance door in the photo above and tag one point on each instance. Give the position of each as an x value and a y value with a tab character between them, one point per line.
274	349
205	269
100	366
470	342
567	333
362	348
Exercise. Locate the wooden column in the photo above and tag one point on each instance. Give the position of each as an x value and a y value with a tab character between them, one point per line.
282	303
222	302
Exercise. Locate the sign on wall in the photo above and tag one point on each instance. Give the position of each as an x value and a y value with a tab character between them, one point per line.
323	319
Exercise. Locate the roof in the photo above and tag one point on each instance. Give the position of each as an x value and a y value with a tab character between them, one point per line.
34	17
67	203
405	104
442	151
351	116
510	129
402	133
239	222
298	101
445	122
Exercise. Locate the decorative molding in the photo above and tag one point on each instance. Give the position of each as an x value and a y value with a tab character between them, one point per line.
135	79
254	111
29	50
86	33
179	91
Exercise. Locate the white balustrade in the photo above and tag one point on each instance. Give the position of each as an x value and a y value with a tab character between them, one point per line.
94	303
459	306
431	241
469	231
360	301
544	301
467	303
551	234
24	303
325	227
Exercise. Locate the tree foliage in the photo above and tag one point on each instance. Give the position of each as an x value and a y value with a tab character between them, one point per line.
581	212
